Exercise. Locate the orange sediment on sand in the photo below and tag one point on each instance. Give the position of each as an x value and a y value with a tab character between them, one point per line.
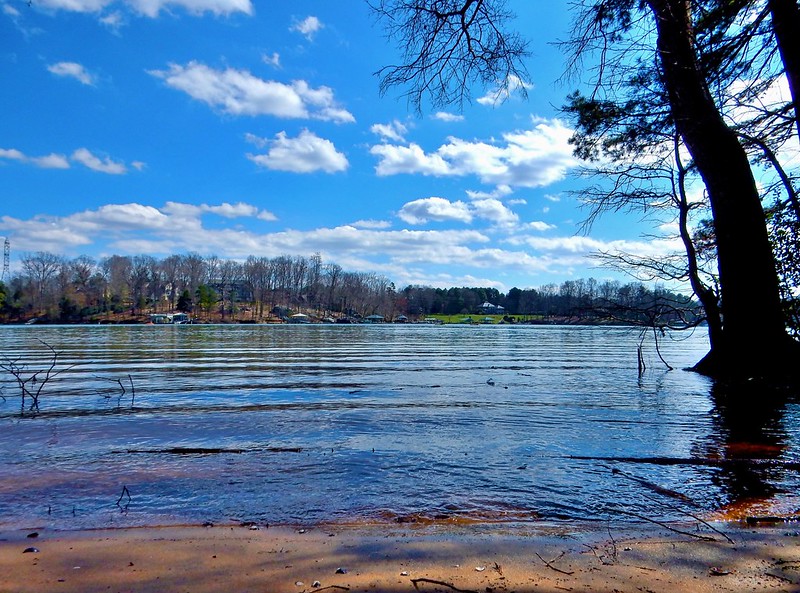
395	558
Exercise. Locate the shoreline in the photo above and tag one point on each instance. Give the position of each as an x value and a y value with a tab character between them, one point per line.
394	558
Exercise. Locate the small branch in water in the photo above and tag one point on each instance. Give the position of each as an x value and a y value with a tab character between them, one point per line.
125	492
133	389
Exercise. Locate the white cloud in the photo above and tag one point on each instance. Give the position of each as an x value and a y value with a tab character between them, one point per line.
152	8
448	117
306	153
539	225
434	209
495	212
394	131
105	165
503	91
72	70
60	161
10	10
499	192
50	161
552	198
437	209
237	92
308	27
75	5
13	154
372	224
113	20
531	158
274	60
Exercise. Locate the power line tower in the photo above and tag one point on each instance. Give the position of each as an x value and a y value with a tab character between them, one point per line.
6	258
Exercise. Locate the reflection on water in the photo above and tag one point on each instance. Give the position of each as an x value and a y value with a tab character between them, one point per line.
304	424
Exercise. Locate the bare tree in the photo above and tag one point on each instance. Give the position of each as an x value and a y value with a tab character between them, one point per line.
449	45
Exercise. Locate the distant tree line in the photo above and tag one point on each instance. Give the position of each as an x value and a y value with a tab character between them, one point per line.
59	289
576	301
117	288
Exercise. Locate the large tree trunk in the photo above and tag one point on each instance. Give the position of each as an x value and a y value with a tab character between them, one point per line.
753	340
786	26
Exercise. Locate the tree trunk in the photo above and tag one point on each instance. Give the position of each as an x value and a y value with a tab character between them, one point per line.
786	25
754	340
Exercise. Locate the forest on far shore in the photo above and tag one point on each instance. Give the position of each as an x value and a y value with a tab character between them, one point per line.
53	289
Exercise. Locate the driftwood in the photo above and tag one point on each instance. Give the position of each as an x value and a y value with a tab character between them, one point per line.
551	567
450	586
693	516
653	486
702	461
211	450
700	536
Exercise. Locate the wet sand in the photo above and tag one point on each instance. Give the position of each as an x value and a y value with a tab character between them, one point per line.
398	558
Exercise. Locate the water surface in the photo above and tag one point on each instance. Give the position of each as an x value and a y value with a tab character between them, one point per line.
310	424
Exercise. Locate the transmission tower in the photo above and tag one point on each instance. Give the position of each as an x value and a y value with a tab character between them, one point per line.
6	258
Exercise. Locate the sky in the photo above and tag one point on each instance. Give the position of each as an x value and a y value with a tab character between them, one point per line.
241	127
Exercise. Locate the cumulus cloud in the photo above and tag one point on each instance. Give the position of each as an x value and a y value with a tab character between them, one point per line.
273	60
434	209
504	91
105	165
238	92
448	117
499	192
174	226
152	8
394	131
529	158
495	212
372	224
307	153
72	70
308	27
538	225
50	161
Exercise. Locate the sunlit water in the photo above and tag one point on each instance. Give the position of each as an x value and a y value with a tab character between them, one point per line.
311	424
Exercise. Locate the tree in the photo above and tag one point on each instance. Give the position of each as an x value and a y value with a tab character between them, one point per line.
206	297
449	44
185	302
753	338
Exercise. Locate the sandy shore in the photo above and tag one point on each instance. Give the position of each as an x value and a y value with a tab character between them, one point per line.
392	558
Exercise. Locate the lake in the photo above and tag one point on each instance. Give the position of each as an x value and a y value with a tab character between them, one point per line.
311	424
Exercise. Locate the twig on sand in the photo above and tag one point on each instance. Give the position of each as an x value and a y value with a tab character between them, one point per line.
551	567
416	583
699	536
339	587
693	516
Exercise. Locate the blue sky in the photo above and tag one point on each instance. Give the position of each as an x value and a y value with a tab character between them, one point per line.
236	128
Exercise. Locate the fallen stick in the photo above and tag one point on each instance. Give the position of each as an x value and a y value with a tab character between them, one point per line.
416	582
551	567
705	538
693	516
